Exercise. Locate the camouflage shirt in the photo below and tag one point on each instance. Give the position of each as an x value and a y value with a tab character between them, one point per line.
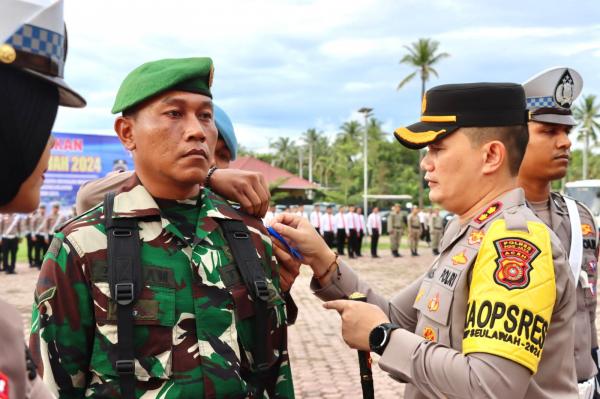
193	336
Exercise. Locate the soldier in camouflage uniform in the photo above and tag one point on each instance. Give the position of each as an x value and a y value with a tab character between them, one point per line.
195	329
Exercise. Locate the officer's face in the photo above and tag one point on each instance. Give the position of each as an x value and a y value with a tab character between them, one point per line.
548	152
172	138
28	196
222	154
452	168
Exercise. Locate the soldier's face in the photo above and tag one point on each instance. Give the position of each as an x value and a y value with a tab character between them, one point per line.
452	169
172	138
548	152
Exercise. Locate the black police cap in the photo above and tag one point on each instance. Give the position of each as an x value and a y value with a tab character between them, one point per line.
447	108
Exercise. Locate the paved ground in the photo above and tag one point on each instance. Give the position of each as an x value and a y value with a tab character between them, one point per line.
323	366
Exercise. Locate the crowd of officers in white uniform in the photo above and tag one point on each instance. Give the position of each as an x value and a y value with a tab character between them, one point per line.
35	229
346	228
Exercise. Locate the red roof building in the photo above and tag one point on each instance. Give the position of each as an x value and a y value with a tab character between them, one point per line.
282	178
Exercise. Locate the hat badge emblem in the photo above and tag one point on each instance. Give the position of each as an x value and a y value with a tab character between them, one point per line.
564	90
8	55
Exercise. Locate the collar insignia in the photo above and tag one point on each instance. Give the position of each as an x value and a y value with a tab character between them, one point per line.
489	212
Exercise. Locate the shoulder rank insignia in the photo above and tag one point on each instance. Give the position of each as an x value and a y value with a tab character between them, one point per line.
586	229
514	262
489	212
434	303
476	237
459	259
429	334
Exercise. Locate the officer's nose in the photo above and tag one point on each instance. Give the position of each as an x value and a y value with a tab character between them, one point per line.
562	140
426	163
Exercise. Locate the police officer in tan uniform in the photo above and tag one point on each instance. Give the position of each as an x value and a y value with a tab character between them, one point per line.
32	56
396	228
550	95
414	231
436	227
494	315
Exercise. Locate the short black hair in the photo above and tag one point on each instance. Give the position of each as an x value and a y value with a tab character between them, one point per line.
514	138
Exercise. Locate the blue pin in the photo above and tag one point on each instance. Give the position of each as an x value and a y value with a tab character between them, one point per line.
295	253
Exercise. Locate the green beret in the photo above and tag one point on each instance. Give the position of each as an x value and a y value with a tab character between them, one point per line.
152	78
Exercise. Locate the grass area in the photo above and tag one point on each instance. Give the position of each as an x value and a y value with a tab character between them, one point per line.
384	244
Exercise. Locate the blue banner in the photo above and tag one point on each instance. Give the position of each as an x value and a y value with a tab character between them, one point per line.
77	158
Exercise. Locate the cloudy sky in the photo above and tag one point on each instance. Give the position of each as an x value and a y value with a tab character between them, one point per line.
283	66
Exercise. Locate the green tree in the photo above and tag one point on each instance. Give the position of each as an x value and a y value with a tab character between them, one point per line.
587	114
286	154
422	56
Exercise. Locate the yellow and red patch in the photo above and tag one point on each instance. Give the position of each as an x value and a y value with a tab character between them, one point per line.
434	303
489	212
459	259
3	386
513	264
429	334
586	230
476	237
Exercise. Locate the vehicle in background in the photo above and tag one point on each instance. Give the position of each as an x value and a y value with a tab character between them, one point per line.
588	192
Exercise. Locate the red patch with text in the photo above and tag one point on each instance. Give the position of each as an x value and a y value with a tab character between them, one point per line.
514	262
489	212
3	386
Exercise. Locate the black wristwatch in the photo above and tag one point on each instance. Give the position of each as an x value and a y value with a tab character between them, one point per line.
380	337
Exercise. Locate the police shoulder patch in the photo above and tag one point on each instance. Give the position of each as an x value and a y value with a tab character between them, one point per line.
514	262
512	294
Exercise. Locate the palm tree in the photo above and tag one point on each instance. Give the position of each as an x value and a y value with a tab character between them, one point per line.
285	151
587	114
422	56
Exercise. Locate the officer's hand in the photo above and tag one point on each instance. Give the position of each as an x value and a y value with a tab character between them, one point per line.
358	320
299	233
249	189
289	266
33	238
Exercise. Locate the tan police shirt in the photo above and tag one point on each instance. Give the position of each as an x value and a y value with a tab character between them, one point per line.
91	193
557	217
493	317
14	376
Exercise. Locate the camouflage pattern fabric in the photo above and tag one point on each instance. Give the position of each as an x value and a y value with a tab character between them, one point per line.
193	336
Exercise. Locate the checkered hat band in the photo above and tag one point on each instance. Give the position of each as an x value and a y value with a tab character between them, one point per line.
40	41
540	102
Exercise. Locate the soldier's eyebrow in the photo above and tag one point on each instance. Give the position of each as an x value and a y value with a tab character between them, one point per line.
181	101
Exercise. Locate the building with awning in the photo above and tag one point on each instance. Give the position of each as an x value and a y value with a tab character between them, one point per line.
279	180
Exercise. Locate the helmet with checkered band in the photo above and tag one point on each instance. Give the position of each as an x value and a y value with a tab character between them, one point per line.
33	38
551	93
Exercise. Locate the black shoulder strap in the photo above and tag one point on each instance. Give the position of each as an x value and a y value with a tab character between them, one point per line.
245	256
125	282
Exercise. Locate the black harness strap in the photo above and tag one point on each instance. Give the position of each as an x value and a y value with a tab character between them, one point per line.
244	253
125	282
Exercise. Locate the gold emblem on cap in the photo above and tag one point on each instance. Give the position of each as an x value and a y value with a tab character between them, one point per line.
210	76
424	104
8	55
